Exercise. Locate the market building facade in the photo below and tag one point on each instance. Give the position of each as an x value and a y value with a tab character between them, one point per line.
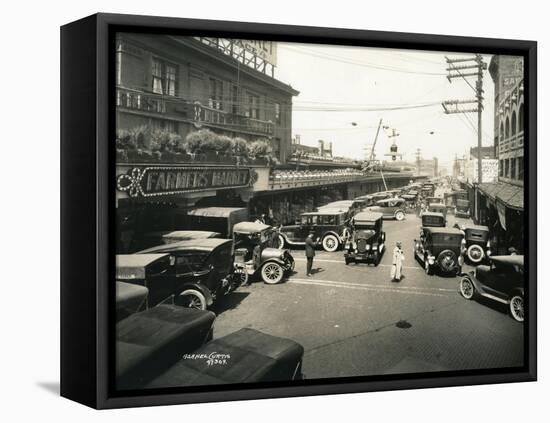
500	204
182	86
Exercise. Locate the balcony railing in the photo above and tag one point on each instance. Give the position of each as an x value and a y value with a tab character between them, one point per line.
230	121
512	143
173	107
137	100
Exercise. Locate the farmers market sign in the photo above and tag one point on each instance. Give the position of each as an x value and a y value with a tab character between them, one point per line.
165	180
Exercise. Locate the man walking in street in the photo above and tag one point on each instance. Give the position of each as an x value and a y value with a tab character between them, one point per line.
397	263
310	253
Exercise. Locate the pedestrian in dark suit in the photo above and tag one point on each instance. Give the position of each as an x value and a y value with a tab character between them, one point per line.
310	253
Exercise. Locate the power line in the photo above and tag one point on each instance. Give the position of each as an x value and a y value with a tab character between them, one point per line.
341	59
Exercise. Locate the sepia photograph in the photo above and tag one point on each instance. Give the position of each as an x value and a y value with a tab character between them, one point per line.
289	211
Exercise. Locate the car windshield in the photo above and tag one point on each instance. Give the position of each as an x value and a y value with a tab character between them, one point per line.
365	226
432	221
446	239
192	261
476	235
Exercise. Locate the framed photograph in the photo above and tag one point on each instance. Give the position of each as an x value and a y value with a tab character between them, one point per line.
256	211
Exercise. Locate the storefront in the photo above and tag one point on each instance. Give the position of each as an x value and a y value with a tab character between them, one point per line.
501	209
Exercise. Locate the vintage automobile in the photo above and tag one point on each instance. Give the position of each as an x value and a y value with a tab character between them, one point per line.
149	342
432	220
428	190
245	356
217	219
176	236
462	208
350	207
440	248
366	242
329	226
170	346
202	272
434	200
129	299
478	246
257	252
502	280
391	208
438	208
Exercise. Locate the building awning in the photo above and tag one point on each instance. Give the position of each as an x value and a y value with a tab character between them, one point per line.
510	195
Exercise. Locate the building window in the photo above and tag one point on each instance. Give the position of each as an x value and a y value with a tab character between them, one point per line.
520	168
506	168
507	128
514	124
278	112
501	168
216	94
513	168
163	78
253	106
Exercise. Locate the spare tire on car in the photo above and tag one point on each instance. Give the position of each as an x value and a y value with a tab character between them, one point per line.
447	261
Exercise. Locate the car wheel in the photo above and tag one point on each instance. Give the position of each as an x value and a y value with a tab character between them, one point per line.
467	289
272	273
330	243
475	253
399	216
191	298
243	277
428	268
516	308
347	261
281	242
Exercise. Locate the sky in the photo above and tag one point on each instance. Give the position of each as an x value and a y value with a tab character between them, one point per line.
359	79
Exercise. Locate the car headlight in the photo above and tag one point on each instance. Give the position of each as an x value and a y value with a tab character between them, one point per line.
489	252
431	259
367	247
354	245
347	245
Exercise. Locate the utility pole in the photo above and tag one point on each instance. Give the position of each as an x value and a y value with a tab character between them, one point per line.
477	65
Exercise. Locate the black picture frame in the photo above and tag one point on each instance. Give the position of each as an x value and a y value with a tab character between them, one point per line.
87	173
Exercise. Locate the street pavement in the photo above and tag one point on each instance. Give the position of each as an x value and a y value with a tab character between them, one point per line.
352	320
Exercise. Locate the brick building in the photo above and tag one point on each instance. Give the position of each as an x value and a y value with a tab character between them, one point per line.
183	84
500	204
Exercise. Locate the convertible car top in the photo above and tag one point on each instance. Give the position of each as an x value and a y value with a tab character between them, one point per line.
250	356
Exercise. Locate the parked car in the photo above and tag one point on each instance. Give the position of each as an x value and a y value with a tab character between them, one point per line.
217	219
202	271
171	346
438	208
462	208
366	242
350	207
440	248
434	200
432	220
130	298
391	208
502	280
176	236
245	356
478	246
151	341
329	226
257	252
